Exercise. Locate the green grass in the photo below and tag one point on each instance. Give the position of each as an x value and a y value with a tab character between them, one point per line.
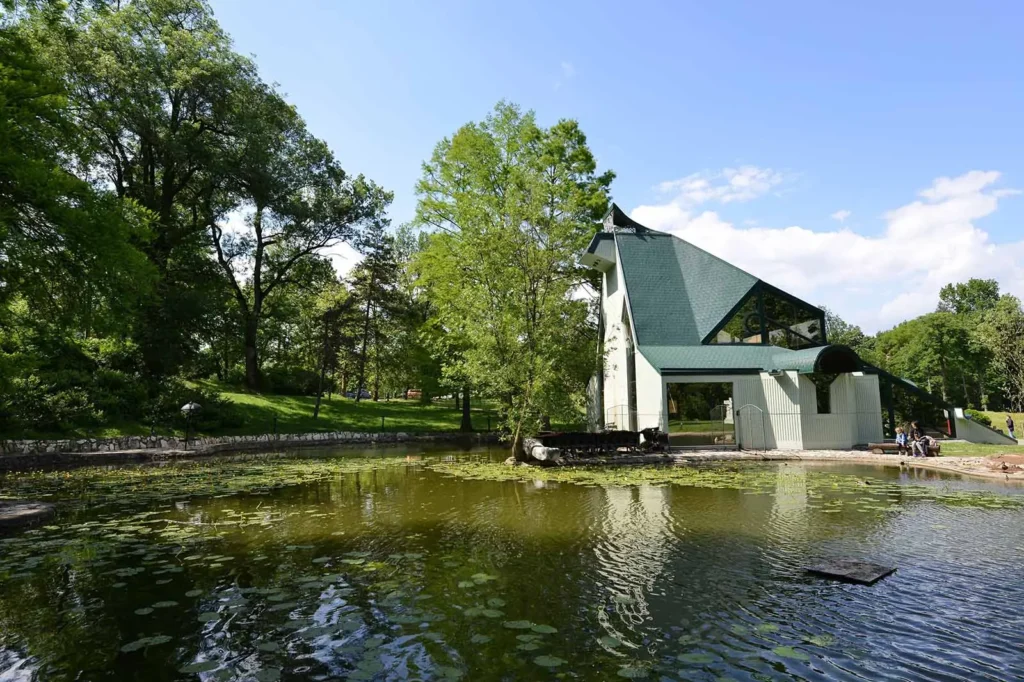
295	414
979	450
699	426
999	420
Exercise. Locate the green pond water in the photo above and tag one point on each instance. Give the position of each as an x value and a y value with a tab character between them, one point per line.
413	564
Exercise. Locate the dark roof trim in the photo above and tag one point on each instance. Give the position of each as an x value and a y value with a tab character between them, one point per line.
616	218
707	372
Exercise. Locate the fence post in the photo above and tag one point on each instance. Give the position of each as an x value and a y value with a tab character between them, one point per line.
382	423
275	427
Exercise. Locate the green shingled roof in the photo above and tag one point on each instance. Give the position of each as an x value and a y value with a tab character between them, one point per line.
740	358
677	292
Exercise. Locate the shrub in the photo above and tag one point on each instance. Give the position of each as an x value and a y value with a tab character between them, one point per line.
979	417
165	409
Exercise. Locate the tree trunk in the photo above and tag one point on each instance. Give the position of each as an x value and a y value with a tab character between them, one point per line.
362	352
467	419
456	391
319	390
252	367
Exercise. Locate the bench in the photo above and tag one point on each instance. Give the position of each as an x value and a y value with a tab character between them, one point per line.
934	448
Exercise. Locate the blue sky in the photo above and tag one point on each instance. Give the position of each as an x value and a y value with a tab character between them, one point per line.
804	141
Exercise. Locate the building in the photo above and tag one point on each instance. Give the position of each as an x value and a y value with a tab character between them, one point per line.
715	356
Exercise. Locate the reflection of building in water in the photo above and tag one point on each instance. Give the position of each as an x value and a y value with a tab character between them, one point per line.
789	518
635	544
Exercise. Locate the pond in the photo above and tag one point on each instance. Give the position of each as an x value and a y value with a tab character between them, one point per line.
414	564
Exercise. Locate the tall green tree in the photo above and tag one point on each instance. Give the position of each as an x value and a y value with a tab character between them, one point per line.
511	205
1002	331
376	289
299	203
150	84
972	296
67	246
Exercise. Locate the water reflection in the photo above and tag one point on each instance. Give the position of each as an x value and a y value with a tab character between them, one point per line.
388	570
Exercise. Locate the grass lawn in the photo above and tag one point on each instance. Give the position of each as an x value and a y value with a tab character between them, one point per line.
979	450
699	426
999	420
295	414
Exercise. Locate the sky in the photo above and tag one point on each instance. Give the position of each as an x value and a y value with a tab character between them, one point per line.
858	155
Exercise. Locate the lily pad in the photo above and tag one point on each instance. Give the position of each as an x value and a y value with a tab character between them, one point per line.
549	661
492	613
164	604
145	642
696	658
528	646
194	593
145	611
466	584
610	642
208	617
820	640
766	628
544	629
269	646
495	603
790	652
480	639
634	672
200	667
518	624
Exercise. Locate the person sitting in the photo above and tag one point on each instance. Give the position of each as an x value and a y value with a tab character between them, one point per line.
918	441
901	441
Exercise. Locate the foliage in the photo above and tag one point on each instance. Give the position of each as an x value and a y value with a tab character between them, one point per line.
972	296
1002	331
511	205
979	417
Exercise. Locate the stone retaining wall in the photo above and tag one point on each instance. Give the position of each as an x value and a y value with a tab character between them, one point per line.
18	454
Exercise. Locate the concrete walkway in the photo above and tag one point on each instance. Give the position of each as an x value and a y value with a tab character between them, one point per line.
984	467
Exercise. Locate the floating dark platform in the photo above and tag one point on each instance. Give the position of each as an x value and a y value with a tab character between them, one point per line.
17	513
861	572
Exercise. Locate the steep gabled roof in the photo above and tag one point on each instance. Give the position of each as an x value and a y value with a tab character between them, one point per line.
678	293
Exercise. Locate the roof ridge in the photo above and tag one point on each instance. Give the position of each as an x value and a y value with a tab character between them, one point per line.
680	239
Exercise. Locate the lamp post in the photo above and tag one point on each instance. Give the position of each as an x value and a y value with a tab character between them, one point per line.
188	409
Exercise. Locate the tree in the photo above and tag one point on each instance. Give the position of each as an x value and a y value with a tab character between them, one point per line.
375	286
150	86
511	205
66	246
972	296
840	332
1002	330
300	203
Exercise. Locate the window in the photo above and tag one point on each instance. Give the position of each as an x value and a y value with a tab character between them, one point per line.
791	324
630	371
744	326
768	316
823	391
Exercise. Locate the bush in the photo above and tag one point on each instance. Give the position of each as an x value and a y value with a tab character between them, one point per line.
215	412
979	417
291	381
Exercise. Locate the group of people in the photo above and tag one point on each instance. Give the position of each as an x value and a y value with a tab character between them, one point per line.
915	442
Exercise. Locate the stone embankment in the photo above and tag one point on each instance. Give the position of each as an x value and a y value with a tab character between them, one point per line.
20	454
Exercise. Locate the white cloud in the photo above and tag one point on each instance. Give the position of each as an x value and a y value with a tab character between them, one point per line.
726	186
568	70
841	215
873	281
